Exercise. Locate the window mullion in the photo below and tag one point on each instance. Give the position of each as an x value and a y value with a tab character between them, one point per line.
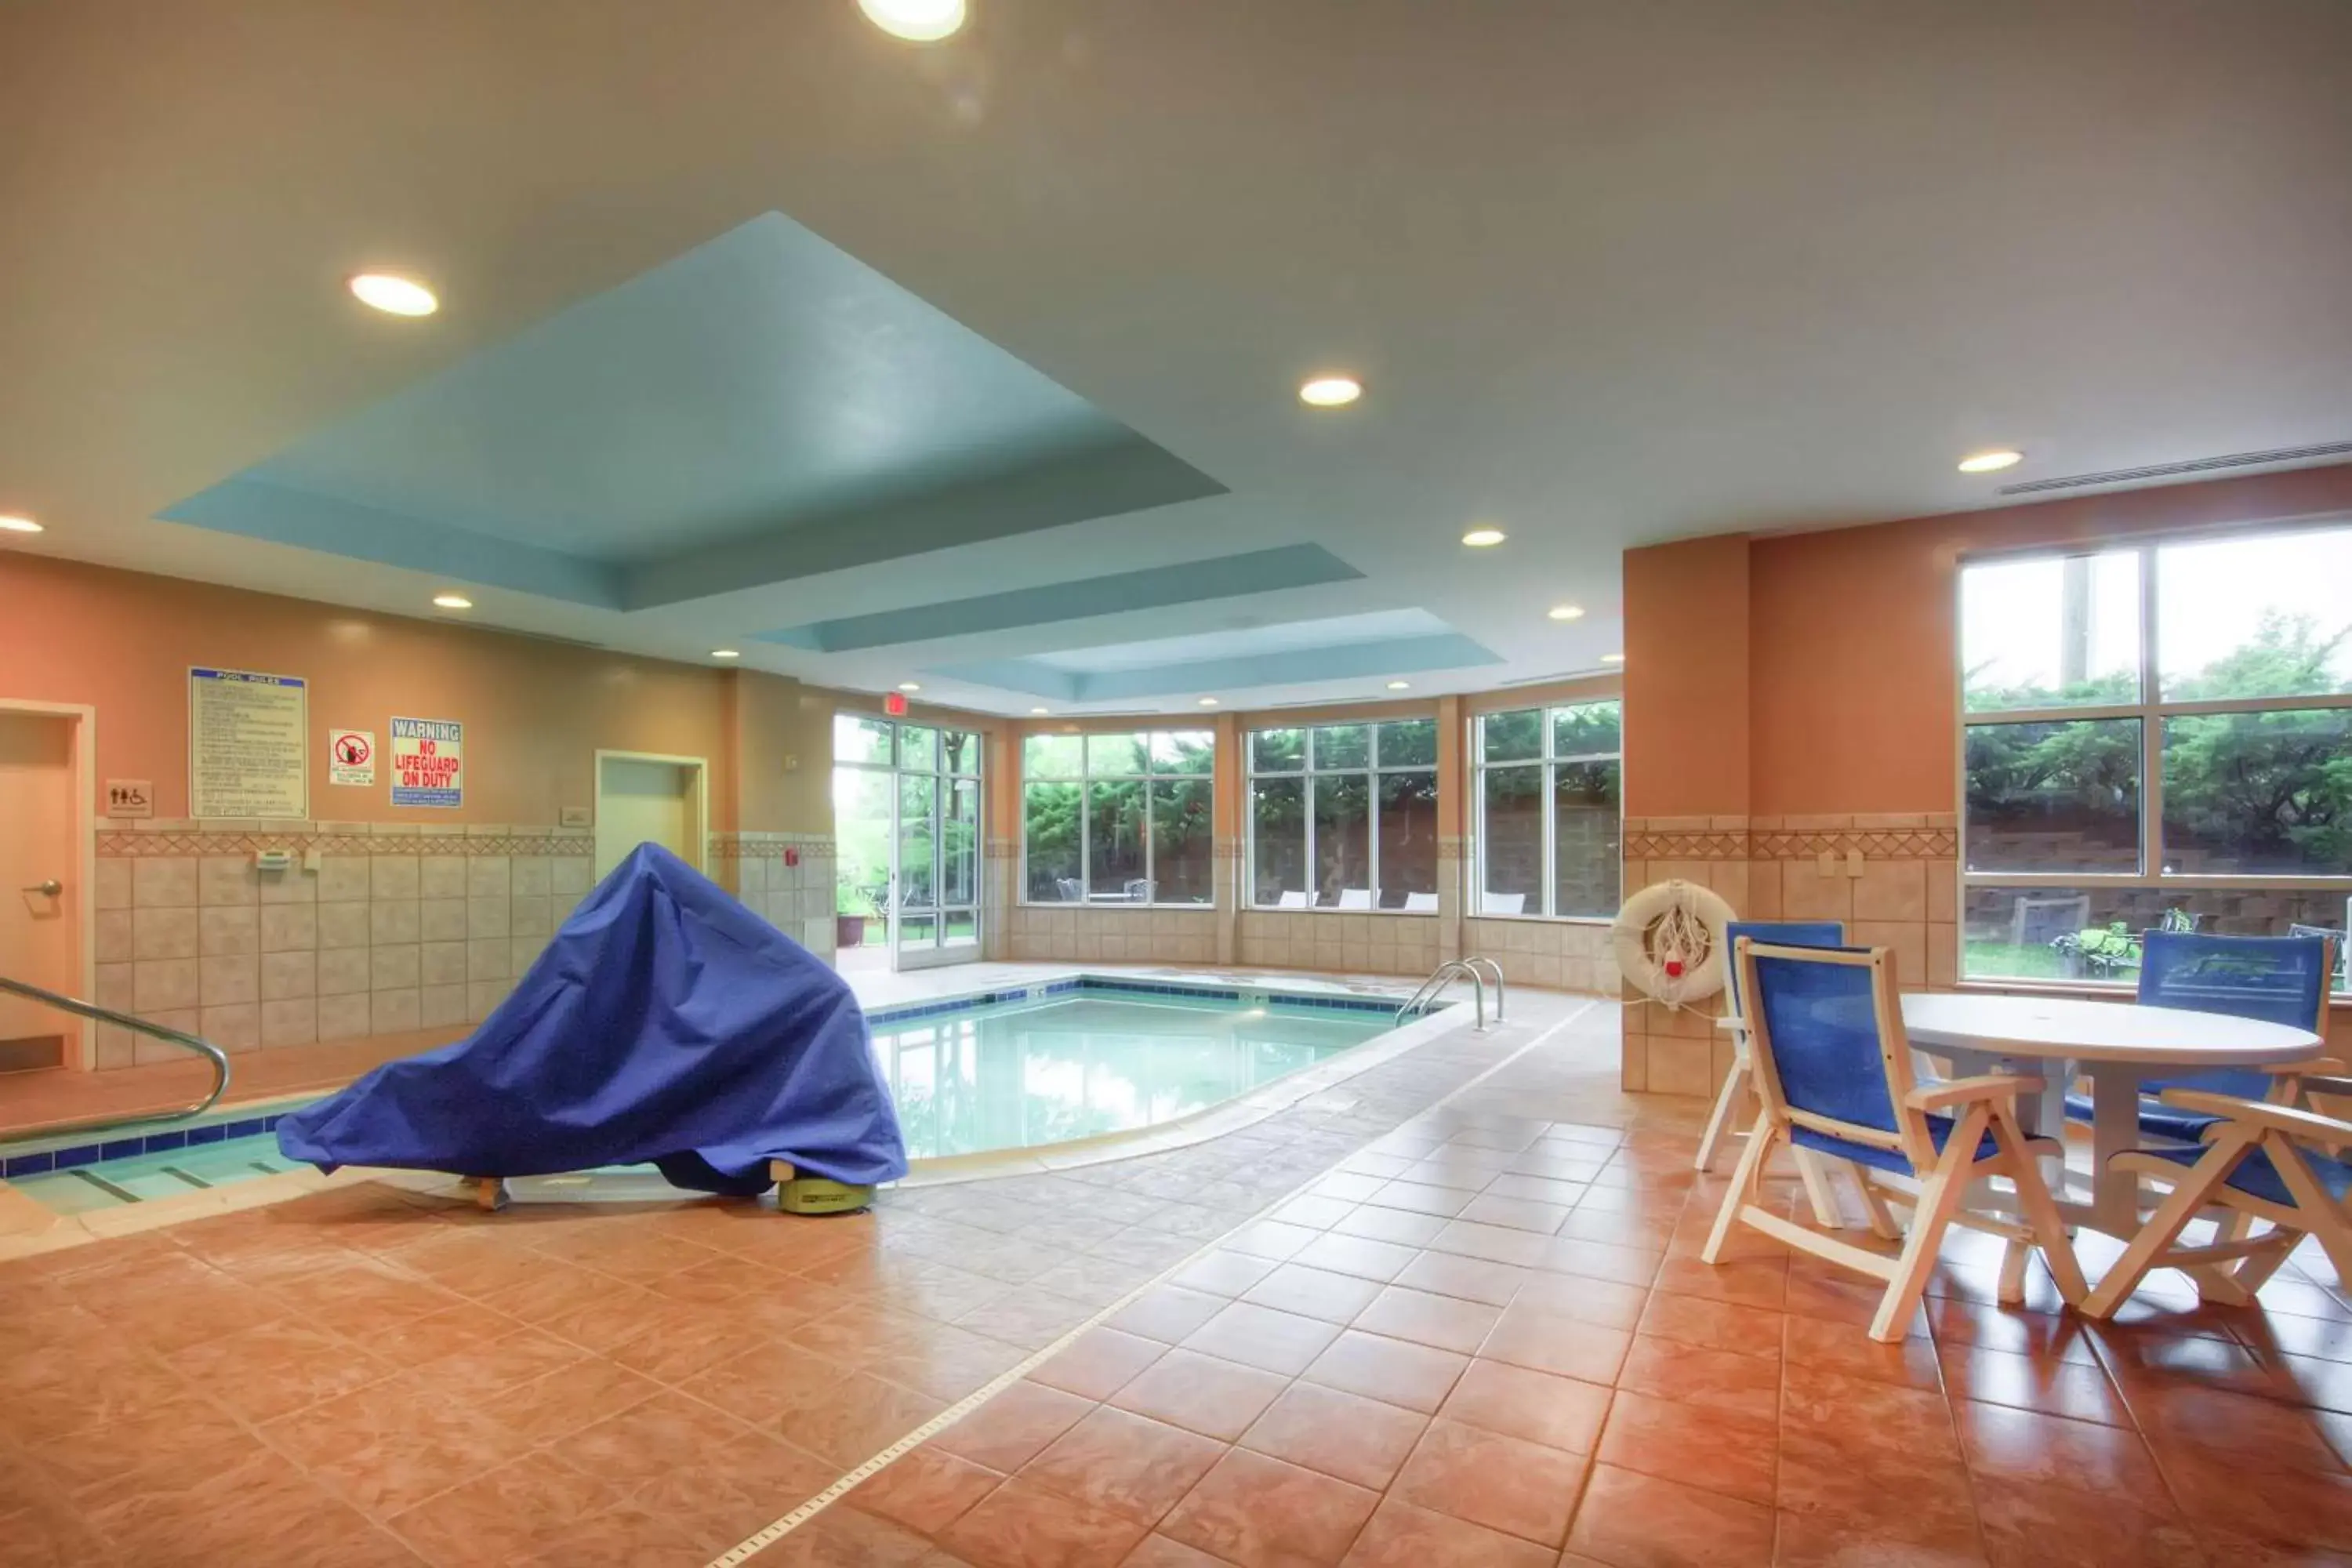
1372	825
2151	726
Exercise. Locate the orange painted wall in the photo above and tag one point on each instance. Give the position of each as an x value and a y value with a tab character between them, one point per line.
534	712
1852	646
1686	678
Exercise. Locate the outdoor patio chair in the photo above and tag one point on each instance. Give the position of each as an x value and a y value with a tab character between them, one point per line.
1420	904
1833	1069
1503	903
1739	1082
1294	899
2258	1163
1355	897
1073	891
1139	890
2279	979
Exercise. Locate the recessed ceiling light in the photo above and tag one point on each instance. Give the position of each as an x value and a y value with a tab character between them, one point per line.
1612	659
394	295
1566	612
909	685
1400	686
453	601
726	653
1483	538
1208	702
19	525
1991	462
1330	392
1040	712
917	21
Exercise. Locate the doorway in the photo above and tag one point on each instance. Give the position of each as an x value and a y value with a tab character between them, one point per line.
643	798
47	866
906	806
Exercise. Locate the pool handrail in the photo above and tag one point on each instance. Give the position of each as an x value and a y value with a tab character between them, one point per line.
1436	985
219	1058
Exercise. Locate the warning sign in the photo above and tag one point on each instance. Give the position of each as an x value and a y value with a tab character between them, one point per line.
350	756
428	762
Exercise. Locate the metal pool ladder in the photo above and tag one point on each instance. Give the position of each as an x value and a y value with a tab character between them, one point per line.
1473	969
219	1058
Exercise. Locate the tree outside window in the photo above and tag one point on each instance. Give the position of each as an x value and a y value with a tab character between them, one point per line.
1344	816
1119	818
1550	831
2153	736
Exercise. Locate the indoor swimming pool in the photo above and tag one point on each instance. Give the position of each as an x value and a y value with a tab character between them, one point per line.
1043	1065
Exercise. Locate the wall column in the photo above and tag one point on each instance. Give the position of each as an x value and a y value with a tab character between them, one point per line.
1686	798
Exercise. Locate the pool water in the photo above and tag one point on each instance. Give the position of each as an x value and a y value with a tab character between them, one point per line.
1020	1075
1048	1069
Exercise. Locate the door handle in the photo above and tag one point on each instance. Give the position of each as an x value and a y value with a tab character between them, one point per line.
50	889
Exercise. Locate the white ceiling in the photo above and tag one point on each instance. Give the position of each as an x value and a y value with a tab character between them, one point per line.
1610	273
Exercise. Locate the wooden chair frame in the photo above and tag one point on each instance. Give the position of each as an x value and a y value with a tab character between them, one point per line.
1813	1169
1979	1105
2241	1264
2290	1083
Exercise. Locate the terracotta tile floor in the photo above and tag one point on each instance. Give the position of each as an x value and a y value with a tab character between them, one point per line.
1481	1335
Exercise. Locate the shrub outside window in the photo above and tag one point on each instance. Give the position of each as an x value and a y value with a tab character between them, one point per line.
1122	818
1550	824
2158	734
1344	816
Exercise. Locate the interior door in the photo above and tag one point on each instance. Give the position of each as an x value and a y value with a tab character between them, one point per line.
40	896
647	800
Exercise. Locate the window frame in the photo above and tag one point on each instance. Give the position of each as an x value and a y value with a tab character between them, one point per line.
1548	761
1370	772
2150	711
1085	777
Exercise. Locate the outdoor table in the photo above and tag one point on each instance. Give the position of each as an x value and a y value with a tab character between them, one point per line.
2118	1045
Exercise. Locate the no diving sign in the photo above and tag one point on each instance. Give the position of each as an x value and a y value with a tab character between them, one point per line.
428	762
350	757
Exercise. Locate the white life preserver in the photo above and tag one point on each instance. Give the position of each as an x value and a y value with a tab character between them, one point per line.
1670	942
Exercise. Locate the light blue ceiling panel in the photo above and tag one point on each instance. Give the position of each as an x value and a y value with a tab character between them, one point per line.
1121	592
1290	667
762	407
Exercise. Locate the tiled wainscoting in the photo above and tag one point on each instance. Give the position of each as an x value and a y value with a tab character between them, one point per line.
786	877
1113	933
1891	879
398	930
1345	943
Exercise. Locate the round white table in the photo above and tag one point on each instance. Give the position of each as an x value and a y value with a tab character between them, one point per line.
2116	1045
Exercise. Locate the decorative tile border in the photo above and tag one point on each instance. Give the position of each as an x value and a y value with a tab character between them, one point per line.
1874	844
114	844
768	846
1700	845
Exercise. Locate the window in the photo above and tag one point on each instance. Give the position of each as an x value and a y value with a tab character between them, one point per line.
2154	735
1120	818
1549	813
1344	816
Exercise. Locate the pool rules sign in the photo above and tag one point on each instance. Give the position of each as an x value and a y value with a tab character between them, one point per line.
428	762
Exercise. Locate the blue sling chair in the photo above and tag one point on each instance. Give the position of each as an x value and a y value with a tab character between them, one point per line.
1833	1069
2254	1152
2277	979
1738	1084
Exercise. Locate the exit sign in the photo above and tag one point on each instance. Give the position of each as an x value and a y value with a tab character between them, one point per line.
894	703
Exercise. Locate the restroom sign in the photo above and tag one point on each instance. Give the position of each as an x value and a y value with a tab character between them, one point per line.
350	756
428	762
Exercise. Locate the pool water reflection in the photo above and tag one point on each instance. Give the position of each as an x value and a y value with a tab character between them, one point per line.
1026	1074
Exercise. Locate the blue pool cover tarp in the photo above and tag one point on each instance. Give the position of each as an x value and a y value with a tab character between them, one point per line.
665	1023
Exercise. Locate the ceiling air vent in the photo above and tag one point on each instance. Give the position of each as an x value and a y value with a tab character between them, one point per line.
2178	470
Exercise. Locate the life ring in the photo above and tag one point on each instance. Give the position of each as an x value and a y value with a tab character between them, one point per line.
1670	942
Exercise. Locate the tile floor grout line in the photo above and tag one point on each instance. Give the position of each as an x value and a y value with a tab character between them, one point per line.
752	1545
